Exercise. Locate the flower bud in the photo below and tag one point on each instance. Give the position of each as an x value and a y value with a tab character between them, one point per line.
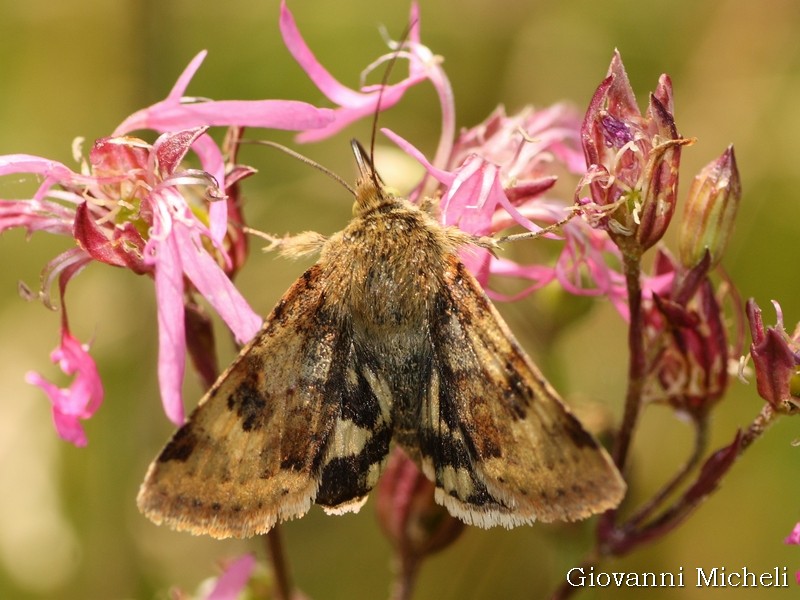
710	211
776	358
632	159
686	324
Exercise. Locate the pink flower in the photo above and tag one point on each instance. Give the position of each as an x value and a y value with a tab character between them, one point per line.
180	112
81	398
233	581
133	205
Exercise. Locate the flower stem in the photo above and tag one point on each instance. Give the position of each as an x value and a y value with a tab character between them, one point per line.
405	578
700	446
566	590
622	539
759	425
637	363
280	567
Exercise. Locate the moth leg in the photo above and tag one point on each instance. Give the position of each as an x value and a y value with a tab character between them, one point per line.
293	246
532	235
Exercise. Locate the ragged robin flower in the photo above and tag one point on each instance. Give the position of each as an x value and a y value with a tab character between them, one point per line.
501	175
135	205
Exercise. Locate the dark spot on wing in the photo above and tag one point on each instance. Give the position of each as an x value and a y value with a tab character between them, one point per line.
577	433
180	447
250	405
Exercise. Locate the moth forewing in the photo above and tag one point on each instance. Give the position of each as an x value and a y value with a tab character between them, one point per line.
387	338
250	454
502	447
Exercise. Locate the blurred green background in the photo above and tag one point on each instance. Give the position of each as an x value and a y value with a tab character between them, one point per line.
69	527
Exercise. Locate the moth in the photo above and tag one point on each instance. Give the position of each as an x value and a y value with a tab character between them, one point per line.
386	339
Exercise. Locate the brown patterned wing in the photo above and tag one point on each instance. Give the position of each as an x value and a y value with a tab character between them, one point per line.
494	436
259	447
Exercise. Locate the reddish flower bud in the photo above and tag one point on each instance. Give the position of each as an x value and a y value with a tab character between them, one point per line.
710	211
686	325
776	358
633	159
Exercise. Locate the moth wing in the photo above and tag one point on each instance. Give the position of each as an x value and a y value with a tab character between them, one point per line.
496	439
254	451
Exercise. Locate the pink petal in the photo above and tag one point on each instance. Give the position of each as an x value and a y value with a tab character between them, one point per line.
275	114
215	286
81	399
26	163
213	163
442	176
327	84
234	580
179	89
120	251
52	171
475	195
170	148
178	112
354	105
36	215
366	107
171	325
67	425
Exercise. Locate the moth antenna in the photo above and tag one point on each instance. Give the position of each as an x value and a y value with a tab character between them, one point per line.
384	82
308	161
364	162
364	168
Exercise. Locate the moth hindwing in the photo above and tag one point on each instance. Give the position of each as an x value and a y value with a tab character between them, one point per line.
387	338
